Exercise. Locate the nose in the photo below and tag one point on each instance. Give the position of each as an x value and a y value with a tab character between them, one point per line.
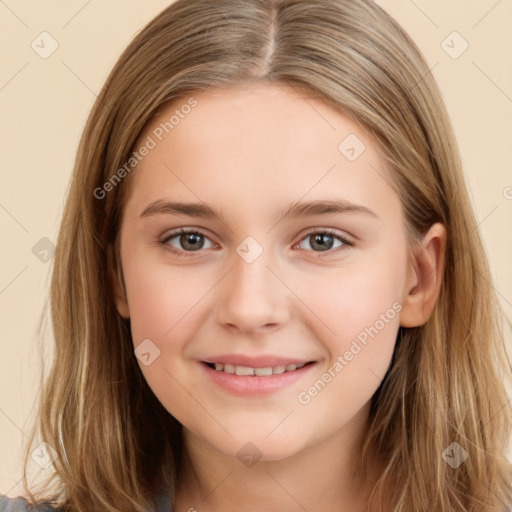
252	298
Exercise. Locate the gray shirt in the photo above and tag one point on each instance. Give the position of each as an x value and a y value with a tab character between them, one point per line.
20	504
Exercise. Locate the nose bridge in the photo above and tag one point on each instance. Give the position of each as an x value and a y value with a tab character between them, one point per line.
252	296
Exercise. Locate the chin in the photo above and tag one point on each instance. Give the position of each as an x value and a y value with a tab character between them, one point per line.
249	448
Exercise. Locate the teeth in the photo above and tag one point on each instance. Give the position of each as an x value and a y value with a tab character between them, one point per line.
261	372
229	368
244	370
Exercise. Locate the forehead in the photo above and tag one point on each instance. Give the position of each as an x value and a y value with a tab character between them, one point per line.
274	114
254	141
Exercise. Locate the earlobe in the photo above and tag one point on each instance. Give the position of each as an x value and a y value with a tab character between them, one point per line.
423	289
120	299
118	288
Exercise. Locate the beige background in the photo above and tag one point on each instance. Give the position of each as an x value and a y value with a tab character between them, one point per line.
44	104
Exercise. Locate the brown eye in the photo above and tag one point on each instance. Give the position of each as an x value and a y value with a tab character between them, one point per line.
191	241
185	241
324	241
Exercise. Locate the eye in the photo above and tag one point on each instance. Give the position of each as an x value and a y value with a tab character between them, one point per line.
323	240
187	240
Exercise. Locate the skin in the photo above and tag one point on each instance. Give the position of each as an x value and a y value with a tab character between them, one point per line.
249	152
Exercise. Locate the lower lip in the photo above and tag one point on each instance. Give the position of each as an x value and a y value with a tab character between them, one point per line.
247	385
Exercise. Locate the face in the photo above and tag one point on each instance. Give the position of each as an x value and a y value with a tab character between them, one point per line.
273	318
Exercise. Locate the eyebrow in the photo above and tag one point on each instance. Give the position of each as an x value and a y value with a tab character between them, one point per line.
295	210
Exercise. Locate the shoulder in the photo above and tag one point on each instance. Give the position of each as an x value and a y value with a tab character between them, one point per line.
20	504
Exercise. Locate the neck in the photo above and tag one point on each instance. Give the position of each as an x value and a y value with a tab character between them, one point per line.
324	476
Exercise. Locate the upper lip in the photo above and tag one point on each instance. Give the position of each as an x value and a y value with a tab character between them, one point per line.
255	361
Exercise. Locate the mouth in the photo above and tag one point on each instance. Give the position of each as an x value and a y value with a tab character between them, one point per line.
241	376
253	371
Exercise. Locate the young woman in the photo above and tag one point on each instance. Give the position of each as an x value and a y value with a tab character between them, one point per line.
269	292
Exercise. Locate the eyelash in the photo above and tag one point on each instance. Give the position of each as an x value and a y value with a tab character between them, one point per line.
325	231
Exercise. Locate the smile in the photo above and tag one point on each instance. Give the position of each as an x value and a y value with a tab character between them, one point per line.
256	377
251	371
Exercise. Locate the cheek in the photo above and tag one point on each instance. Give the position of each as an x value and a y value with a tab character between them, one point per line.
164	304
348	300
161	298
359	309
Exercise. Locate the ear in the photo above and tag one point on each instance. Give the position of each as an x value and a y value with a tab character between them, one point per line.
117	281
425	277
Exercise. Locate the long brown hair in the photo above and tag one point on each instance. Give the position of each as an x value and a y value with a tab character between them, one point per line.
116	444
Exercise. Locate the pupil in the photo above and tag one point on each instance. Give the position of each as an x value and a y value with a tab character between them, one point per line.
189	240
320	239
